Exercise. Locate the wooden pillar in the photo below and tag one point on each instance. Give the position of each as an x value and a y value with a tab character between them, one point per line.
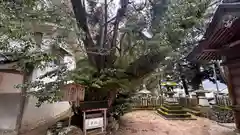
23	101
84	123
105	119
103	127
233	93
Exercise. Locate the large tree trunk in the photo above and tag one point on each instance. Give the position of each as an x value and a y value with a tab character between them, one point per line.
99	60
183	79
23	99
81	17
222	72
112	96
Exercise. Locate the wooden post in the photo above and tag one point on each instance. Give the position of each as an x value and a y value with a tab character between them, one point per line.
233	97
22	103
84	123
105	119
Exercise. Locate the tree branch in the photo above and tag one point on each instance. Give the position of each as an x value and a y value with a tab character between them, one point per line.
131	47
120	14
105	21
81	17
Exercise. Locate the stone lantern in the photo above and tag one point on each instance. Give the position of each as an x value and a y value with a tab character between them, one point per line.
144	91
202	99
145	94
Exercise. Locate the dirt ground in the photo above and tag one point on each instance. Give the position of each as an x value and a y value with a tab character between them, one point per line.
150	123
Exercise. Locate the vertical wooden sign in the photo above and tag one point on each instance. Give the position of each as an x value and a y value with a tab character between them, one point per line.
73	93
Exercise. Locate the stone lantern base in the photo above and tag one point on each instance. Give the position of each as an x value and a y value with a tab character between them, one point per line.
170	97
202	99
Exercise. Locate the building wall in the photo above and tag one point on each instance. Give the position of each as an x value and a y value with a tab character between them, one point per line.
10	97
8	81
36	115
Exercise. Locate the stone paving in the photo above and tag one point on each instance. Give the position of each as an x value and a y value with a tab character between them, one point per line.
150	123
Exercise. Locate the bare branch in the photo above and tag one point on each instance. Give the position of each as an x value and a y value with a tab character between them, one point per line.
81	17
120	14
121	49
109	21
131	47
105	21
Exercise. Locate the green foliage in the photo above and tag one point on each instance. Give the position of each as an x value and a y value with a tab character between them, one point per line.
140	56
17	39
97	84
129	62
173	25
87	75
50	91
122	104
20	21
17	31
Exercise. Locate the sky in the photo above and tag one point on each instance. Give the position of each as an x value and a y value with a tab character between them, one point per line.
207	85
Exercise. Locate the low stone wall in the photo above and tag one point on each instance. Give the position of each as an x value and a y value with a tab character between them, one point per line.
188	102
221	114
147	102
9	103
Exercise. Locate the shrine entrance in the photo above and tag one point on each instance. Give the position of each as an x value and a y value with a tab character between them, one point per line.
222	42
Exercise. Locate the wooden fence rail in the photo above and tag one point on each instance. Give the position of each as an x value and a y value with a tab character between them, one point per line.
152	102
147	102
223	100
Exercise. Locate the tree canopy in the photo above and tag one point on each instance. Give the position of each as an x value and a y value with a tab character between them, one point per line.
115	44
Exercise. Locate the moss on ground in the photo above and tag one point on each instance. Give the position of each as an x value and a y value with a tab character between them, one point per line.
223	107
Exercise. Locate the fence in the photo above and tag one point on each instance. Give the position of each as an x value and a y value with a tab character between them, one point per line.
223	100
191	102
221	112
147	102
188	102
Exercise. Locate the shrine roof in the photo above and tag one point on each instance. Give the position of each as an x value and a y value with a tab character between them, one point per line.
222	30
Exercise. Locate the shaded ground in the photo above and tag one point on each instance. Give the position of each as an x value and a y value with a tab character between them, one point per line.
150	123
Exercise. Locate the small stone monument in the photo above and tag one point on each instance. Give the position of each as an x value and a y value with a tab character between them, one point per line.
170	97
171	109
194	95
202	99
144	92
144	95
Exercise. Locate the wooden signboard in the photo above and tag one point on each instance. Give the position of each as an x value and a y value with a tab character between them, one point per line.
73	93
96	119
93	123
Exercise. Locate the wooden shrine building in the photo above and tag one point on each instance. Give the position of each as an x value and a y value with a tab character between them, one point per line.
221	41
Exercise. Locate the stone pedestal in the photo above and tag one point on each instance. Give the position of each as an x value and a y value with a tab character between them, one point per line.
194	95
170	97
173	111
202	99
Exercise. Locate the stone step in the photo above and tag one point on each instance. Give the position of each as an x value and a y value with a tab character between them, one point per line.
173	111
172	103
168	118
169	115
192	111
172	107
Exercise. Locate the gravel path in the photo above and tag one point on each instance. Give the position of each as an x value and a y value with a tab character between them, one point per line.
150	123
